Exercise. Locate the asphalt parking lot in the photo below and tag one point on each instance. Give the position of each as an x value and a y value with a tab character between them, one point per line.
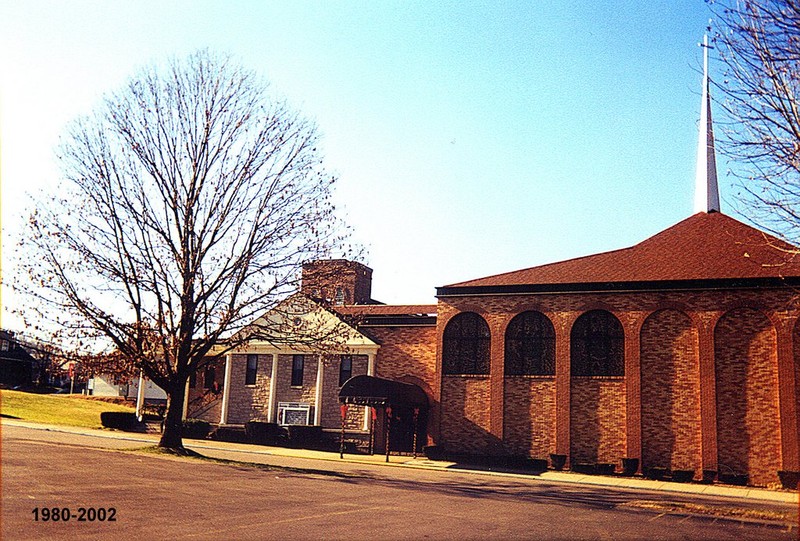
154	497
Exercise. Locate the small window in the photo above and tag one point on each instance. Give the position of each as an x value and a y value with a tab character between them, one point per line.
345	369
297	370
4	345
252	368
209	376
193	379
339	298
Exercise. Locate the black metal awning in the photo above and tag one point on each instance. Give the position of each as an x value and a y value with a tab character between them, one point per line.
379	392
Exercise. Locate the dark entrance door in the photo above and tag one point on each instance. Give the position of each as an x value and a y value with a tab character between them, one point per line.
401	434
403	405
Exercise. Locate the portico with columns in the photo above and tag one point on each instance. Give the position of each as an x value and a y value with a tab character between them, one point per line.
286	384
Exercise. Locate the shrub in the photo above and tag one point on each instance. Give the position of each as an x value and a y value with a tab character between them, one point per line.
263	433
304	436
537	464
196	429
121	420
229	434
630	466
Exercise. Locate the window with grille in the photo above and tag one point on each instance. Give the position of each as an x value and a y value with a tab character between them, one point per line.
465	345
597	345
530	347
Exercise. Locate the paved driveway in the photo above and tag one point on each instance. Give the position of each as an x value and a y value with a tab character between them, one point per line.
160	498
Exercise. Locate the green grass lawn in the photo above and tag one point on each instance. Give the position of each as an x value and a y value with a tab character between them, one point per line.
55	409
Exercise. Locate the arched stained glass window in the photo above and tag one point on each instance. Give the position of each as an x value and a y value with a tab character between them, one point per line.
530	346
465	347
597	345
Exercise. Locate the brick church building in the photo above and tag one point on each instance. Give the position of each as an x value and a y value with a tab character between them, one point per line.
682	352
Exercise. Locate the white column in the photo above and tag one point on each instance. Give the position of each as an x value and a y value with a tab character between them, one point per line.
226	390
370	372
272	410
318	397
186	400
140	395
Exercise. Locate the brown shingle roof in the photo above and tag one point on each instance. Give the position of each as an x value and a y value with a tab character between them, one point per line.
704	246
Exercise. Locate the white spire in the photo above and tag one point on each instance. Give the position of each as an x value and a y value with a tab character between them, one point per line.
706	195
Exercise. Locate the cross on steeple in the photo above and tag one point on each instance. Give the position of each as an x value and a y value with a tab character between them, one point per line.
706	196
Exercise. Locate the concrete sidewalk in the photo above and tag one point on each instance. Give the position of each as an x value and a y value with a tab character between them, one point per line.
282	456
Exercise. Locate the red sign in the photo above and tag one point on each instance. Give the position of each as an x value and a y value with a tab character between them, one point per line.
71	370
343	409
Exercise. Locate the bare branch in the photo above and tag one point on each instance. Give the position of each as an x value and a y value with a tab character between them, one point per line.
759	44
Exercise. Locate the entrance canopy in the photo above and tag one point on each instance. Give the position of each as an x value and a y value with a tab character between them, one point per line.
379	392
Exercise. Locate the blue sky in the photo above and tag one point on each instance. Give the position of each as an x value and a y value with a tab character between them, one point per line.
469	138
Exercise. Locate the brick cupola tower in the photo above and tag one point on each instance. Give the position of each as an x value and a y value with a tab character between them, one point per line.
337	281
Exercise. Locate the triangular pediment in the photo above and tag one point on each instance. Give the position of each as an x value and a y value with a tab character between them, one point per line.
299	323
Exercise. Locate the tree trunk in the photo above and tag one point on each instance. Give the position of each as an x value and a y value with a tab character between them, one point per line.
172	437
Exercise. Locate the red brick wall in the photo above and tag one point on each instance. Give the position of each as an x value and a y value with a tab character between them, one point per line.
597	420
408	353
405	351
668	353
465	415
748	422
529	416
322	278
670	377
796	358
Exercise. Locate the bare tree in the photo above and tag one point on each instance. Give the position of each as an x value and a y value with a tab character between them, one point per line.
191	201
759	44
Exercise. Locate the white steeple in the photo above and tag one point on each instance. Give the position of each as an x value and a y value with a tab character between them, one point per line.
706	195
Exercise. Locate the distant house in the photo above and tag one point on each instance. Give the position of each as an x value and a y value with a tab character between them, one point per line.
17	366
108	385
